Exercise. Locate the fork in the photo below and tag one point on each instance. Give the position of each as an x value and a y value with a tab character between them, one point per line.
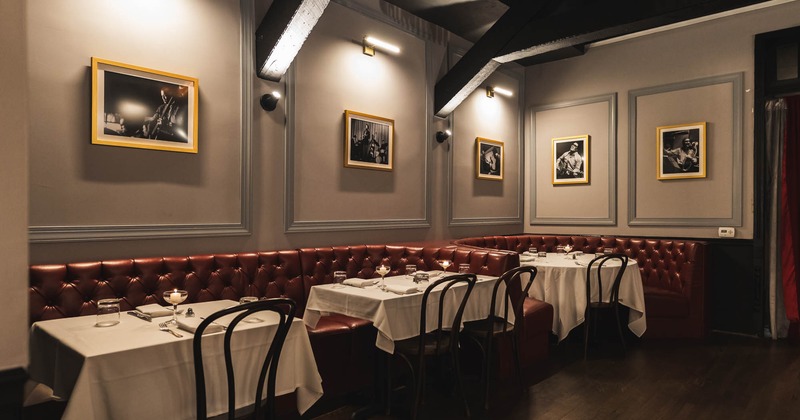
163	327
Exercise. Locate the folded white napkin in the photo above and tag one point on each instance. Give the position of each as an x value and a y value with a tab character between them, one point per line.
155	310
526	258
400	289
191	324
432	273
359	282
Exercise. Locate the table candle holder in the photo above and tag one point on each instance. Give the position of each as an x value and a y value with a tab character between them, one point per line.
175	297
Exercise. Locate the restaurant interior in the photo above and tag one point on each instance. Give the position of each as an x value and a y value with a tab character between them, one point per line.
204	158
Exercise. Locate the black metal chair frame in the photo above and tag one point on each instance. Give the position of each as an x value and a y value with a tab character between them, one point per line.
446	339
485	330
593	306
285	308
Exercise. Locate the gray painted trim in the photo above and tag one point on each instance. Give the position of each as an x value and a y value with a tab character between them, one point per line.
611	220
484	221
737	84
80	233
290	224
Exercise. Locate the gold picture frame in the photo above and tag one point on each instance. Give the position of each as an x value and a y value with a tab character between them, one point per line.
571	160
489	159
142	108
681	151
369	141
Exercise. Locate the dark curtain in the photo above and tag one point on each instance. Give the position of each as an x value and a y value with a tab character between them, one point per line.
790	213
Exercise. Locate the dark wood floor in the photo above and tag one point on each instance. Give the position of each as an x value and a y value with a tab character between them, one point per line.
723	377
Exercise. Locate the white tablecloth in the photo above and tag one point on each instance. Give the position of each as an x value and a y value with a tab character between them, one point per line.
561	282
397	317
134	371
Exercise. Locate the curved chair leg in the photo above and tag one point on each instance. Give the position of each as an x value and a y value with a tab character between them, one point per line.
459	386
517	364
586	327
487	363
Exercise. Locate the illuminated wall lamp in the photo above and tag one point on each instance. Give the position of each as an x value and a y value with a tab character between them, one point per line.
491	90
441	136
372	43
270	100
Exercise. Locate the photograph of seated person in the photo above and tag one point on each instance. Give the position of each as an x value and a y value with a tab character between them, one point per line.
681	153
570	163
490	160
369	142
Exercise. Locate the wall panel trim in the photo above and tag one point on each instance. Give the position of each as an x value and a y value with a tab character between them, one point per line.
737	85
80	233
611	220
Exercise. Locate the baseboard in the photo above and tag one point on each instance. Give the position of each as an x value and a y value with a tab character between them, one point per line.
12	383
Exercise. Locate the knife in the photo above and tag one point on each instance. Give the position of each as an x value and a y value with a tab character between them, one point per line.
141	315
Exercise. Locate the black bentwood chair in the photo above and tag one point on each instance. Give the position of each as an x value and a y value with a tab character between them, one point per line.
441	342
493	327
285	308
595	306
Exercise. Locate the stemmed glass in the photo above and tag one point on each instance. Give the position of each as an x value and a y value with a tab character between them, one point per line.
383	271
445	264
175	297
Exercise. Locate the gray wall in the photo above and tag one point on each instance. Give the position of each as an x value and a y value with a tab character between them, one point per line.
13	186
673	78
257	174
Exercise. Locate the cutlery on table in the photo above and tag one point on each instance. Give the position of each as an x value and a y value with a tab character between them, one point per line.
163	327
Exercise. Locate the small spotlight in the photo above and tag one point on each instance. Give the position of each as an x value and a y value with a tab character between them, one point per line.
371	43
441	136
489	92
270	100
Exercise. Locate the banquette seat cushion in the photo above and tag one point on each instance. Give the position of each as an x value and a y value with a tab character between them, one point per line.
673	274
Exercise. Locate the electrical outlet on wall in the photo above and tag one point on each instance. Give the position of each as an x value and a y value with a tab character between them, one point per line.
727	232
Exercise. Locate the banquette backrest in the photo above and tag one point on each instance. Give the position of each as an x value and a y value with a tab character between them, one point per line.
66	290
669	264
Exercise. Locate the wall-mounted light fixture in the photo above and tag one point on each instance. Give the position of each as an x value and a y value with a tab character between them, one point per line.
491	90
441	136
371	43
270	100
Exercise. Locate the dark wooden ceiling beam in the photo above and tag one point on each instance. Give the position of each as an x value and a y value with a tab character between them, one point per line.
539	31
477	64
602	20
282	32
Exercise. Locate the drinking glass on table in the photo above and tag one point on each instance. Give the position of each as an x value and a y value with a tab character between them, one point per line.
410	270
608	251
338	279
560	249
175	297
463	268
107	312
445	264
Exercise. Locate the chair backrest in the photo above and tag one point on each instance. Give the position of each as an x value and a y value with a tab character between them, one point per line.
515	292
601	260
285	308
449	282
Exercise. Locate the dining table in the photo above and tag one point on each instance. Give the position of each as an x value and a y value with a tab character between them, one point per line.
134	370
396	316
561	282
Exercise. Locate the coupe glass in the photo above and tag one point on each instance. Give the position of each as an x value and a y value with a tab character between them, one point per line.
383	271
445	264
175	297
338	278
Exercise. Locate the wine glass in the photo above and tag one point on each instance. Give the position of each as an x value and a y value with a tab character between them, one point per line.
338	278
383	271
445	264
175	297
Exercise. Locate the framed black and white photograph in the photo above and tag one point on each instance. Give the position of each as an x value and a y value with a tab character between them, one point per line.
681	151
489	159
369	141
571	160
143	108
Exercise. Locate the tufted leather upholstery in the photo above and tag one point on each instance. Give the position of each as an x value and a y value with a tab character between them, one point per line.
344	347
673	272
